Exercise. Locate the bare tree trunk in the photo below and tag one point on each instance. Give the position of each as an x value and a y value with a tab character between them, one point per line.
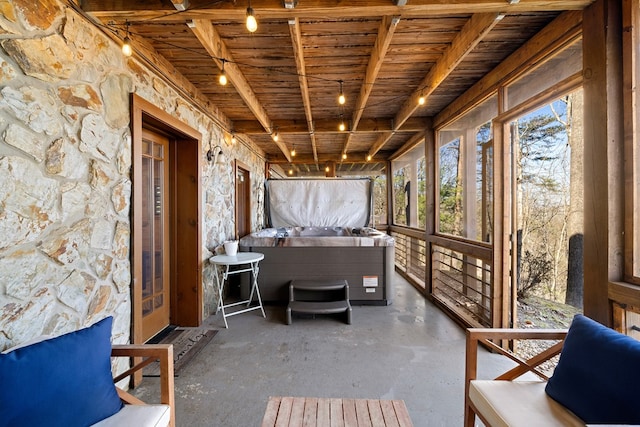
575	268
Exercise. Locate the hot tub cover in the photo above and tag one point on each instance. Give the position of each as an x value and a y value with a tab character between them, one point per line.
327	202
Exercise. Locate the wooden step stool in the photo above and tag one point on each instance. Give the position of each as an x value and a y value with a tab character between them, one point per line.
311	296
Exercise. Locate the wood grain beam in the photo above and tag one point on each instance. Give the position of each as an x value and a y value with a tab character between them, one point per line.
215	46
296	41
386	30
253	127
465	41
320	9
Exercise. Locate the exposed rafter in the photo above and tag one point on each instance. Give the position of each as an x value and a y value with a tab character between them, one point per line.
213	43
472	33
296	40
385	34
322	9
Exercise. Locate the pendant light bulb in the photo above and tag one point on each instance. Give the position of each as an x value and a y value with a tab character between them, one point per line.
421	100
275	136
368	158
223	76
342	126
341	98
127	50
252	24
293	151
344	156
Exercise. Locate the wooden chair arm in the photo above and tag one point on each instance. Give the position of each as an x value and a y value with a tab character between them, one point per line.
487	336
163	353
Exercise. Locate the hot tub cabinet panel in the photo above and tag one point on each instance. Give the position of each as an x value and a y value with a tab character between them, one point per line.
368	270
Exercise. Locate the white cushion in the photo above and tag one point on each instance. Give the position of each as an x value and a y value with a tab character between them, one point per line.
138	416
519	403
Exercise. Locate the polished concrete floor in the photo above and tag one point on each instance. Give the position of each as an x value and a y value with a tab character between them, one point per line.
408	350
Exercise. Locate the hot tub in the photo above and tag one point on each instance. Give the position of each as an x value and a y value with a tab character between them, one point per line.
355	252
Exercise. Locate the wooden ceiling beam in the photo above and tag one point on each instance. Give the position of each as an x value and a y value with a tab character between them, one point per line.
465	41
386	30
320	9
298	53
253	127
215	46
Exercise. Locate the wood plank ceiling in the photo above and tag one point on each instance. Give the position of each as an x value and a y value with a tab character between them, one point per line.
285	77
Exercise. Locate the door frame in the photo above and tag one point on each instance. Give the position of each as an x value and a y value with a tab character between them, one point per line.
185	153
241	168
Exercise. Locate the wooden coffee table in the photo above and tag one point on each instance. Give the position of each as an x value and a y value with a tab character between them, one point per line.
323	412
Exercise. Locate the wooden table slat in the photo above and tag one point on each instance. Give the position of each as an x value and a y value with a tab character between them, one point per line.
362	411
337	419
324	416
284	412
402	413
335	412
271	414
310	412
297	412
349	408
389	413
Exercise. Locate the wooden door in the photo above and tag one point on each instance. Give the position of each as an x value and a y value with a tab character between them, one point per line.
243	201
155	234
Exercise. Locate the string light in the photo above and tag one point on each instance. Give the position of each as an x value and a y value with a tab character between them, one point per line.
341	98
223	76
252	24
127	50
421	100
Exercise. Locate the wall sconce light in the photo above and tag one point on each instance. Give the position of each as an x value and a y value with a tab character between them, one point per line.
216	155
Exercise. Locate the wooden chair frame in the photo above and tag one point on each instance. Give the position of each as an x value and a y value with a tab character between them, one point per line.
149	353
489	337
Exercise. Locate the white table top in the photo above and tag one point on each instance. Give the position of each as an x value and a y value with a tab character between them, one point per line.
239	258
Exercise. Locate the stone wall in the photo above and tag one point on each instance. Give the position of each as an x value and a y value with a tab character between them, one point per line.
65	185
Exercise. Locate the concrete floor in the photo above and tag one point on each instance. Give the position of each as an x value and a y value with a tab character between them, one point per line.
409	350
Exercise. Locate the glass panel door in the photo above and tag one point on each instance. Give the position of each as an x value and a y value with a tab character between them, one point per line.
155	249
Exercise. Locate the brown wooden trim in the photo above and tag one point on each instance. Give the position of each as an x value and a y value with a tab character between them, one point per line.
603	156
238	168
631	76
272	9
481	251
143	113
562	32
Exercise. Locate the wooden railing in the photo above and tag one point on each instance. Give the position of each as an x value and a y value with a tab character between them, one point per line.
460	273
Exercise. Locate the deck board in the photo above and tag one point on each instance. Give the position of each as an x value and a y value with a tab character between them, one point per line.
335	412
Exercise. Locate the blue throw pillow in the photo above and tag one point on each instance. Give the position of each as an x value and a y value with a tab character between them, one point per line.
63	381
598	375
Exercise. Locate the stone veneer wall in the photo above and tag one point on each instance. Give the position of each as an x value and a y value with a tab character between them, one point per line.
65	160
